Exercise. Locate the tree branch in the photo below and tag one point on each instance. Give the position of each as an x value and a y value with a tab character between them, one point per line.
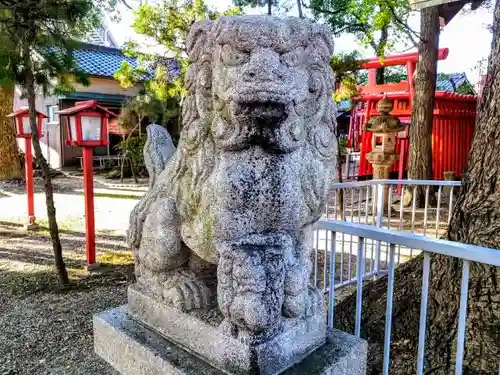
351	27
410	36
127	4
322	10
405	27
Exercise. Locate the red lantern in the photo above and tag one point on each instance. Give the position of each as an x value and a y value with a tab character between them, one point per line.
22	125
87	124
22	128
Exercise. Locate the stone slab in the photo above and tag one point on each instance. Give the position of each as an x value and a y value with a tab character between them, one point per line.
205	340
133	349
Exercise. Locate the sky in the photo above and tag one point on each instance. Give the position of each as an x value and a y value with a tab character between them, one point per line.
467	37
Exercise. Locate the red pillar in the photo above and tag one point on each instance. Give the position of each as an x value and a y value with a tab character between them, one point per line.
88	188
372	77
28	160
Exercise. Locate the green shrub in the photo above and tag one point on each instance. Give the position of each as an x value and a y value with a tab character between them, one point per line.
132	149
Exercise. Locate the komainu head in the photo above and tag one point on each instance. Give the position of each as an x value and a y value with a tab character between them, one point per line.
258	99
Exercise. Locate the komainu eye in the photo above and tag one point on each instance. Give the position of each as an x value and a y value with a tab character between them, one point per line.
233	57
293	58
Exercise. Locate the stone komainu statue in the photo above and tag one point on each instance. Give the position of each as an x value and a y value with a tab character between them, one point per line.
230	217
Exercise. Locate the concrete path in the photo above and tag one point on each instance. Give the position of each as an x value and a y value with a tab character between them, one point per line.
112	207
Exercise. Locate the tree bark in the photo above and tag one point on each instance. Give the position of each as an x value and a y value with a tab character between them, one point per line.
474	220
299	8
49	191
10	167
380	52
379	76
420	157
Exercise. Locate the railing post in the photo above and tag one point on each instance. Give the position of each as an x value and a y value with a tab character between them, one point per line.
331	291
359	283
423	313
378	223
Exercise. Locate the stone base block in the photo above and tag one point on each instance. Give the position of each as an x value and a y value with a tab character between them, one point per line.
133	349
198	332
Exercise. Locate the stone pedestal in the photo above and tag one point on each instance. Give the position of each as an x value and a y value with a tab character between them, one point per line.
382	164
133	349
199	333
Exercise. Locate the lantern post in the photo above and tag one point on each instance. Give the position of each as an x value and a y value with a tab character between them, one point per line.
87	124
22	126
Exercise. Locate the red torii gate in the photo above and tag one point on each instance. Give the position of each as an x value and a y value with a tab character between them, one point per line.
453	126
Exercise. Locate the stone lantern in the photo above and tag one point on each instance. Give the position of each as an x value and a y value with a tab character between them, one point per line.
384	128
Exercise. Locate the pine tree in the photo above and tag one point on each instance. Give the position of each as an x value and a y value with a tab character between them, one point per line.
38	39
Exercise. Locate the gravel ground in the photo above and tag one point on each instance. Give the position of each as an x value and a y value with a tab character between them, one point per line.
48	330
45	329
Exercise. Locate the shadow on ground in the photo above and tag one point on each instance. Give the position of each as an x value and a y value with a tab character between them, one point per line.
18	283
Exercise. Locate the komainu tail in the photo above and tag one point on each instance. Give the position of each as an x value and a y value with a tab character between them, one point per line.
158	151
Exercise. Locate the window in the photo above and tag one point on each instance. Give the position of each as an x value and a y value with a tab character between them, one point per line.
51	112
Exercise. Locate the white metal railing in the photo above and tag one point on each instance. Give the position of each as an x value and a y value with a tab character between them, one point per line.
364	202
351	165
429	246
103	161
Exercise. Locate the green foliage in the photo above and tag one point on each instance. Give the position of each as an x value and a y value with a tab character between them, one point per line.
466	88
144	106
392	74
273	7
167	24
256	3
38	37
132	148
376	23
348	76
346	67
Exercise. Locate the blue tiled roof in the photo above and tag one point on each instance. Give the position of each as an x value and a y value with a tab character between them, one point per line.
104	61
455	80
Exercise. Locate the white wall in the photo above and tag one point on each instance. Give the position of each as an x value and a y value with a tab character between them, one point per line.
106	86
51	139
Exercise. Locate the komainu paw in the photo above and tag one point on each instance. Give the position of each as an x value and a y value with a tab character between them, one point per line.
185	291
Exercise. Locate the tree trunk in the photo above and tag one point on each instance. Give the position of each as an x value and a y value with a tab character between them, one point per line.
132	170
380	52
10	167
379	76
420	158
299	8
269	7
49	191
474	220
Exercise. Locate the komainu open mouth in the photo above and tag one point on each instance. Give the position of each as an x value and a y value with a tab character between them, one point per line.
268	114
